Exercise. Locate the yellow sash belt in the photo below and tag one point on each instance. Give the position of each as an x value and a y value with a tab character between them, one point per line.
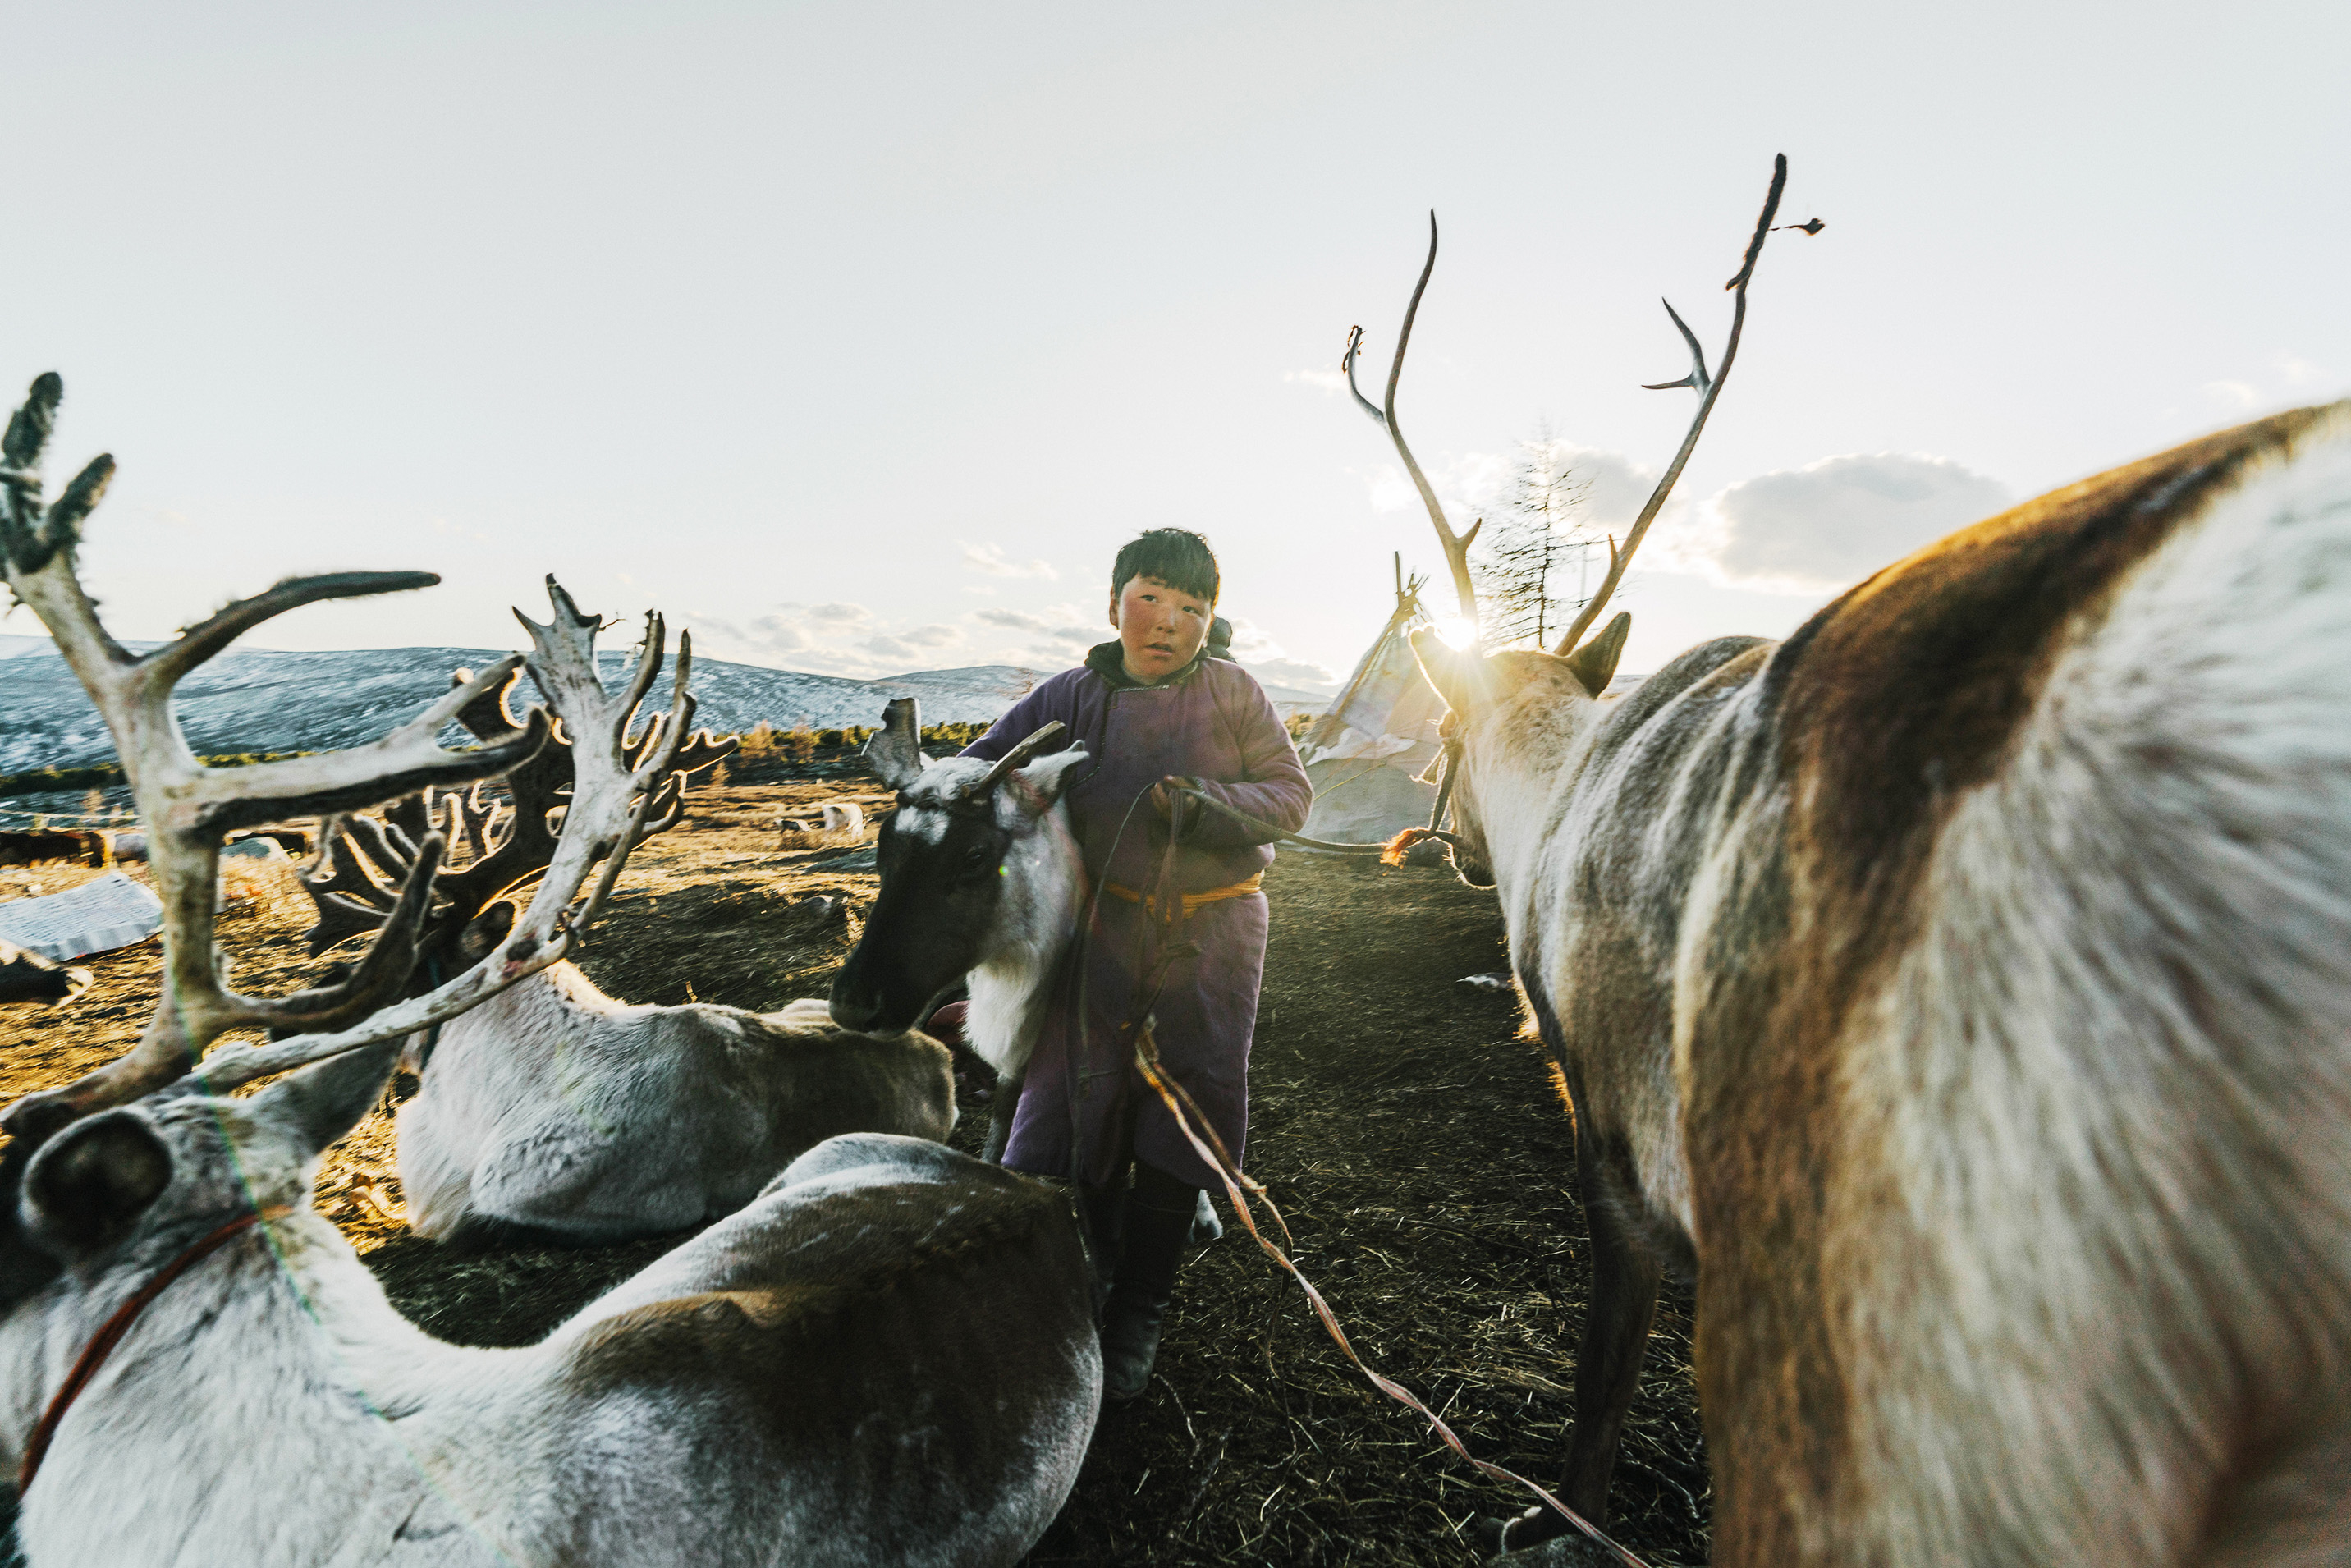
1192	901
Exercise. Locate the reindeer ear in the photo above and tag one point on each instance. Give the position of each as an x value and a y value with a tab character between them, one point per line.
89	1186
1594	663
484	932
1454	672
895	752
1042	782
322	1103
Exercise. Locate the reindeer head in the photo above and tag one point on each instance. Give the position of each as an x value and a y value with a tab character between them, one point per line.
978	867
131	1186
1501	704
1511	698
507	849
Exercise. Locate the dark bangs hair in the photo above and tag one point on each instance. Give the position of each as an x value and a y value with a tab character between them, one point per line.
1177	556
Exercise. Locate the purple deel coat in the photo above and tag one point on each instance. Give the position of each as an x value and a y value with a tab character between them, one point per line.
1083	1093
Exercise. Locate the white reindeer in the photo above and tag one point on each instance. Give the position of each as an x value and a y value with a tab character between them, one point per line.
981	879
1960	990
556	1113
887	1357
839	824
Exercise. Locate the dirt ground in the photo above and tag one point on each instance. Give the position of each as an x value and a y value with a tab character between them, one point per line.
1416	1144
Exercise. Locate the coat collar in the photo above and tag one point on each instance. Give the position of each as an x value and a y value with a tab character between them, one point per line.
1109	661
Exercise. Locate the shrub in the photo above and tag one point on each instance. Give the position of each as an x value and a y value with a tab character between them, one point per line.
757	744
955	736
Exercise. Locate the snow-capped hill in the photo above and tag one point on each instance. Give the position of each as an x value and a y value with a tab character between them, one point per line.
260	700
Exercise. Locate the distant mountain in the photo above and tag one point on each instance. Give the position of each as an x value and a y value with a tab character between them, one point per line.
261	700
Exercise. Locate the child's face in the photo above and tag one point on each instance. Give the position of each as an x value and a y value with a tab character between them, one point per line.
1160	626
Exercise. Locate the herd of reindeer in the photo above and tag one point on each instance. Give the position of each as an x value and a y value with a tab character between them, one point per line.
1957	993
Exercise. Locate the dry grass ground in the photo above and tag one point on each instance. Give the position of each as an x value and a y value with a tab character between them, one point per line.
1414	1143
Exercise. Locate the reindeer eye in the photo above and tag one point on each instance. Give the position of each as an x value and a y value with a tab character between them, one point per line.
977	856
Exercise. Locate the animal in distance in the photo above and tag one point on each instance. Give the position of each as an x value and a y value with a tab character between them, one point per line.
1959	991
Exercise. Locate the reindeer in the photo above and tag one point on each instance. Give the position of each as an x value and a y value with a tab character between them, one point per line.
840	824
553	1113
1960	990
27	977
981	878
886	1357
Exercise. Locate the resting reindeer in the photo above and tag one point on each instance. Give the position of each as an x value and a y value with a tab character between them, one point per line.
554	1113
30	977
887	1358
980	878
1962	989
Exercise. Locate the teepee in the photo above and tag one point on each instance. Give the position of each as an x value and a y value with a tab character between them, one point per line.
1363	752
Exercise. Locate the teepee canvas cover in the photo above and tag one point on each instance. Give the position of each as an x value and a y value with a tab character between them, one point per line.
1362	751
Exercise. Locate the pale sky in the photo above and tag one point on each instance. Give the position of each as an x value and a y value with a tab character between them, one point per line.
858	338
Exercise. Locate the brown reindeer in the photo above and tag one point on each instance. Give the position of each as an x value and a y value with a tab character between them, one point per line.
1960	990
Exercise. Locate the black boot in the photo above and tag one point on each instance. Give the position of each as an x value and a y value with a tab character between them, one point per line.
1158	1223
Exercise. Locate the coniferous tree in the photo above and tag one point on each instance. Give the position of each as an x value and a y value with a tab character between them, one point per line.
1532	568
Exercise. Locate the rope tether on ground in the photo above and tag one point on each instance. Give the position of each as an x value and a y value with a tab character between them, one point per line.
1171	914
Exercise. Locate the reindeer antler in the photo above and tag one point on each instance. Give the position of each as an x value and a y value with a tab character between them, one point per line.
1013	758
614	783
1456	547
189	808
1708	388
366	856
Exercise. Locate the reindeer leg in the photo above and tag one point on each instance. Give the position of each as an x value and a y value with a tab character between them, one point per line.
1626	1273
999	1117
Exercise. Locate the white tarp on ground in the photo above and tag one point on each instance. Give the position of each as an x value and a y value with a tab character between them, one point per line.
99	917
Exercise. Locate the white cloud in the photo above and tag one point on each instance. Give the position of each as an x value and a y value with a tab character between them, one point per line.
815	637
1329	381
1250	641
990	559
1292	673
2295	371
1010	620
932	636
2236	394
890	647
1818	528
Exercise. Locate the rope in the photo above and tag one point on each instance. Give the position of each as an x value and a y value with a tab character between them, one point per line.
1396	845
1213	1154
102	1345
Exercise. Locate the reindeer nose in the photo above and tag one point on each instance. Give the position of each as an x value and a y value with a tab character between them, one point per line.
852	1012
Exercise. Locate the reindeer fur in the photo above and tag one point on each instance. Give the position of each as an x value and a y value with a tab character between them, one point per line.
1962	987
989	889
887	1358
555	1112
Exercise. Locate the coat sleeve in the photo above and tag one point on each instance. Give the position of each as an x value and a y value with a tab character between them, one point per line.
1272	786
1023	719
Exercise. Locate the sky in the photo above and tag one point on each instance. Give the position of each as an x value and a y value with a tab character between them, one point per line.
856	338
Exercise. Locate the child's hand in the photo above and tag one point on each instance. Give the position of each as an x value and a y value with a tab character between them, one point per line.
1161	800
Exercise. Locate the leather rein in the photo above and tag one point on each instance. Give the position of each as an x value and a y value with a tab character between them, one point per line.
101	1343
1390	849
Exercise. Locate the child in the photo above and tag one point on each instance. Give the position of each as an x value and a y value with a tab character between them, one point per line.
1153	708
